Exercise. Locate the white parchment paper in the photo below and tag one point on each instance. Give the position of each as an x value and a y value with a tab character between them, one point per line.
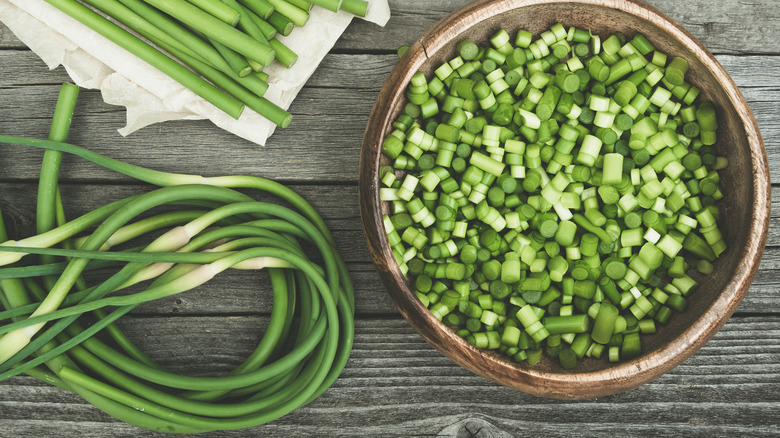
149	96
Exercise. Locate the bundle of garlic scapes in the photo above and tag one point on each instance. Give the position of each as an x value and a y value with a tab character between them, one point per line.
217	49
206	227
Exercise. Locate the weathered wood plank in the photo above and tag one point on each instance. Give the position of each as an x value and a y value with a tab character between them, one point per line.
395	384
719	24
30	91
242	292
246	292
723	26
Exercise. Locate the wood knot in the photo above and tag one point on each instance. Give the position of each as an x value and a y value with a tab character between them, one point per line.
474	428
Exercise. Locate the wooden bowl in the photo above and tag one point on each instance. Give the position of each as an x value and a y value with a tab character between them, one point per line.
745	182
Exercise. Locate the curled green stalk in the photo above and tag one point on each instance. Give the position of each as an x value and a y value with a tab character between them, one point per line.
213	228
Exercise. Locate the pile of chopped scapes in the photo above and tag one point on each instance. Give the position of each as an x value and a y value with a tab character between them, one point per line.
215	48
154	245
551	195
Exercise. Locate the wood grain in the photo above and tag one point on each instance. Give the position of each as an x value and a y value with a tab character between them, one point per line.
395	383
711	21
29	91
242	292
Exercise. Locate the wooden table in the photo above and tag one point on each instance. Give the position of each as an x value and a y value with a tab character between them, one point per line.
394	384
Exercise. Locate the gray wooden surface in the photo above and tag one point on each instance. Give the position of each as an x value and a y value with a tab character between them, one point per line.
394	384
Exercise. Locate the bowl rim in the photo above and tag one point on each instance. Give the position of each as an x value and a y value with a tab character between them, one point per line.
620	377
